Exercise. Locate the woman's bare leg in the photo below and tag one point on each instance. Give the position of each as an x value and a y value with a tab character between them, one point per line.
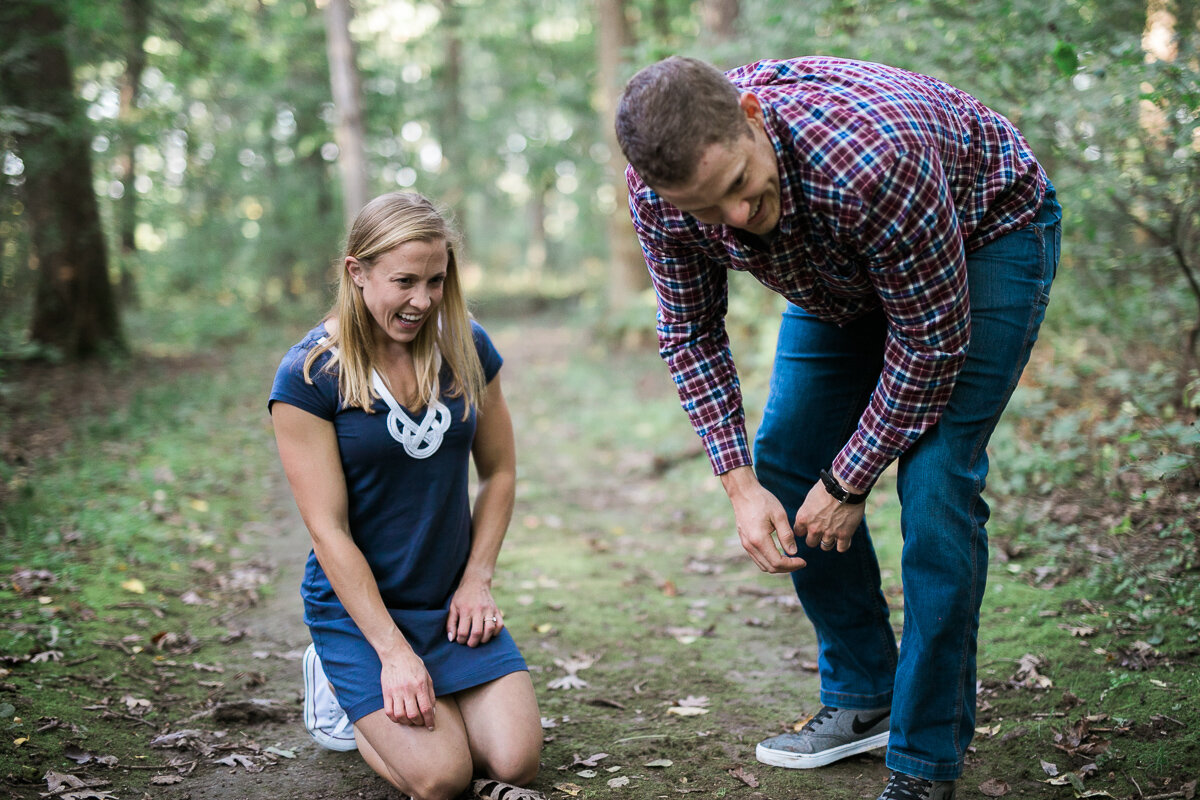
429	765
503	728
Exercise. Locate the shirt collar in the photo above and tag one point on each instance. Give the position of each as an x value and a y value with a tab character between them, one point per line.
779	134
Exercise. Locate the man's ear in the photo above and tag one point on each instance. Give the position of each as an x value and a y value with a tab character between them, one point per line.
355	268
752	108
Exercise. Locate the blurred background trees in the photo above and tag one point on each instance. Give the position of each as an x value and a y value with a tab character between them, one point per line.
214	132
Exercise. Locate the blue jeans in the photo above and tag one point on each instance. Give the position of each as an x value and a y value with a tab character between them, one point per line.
821	382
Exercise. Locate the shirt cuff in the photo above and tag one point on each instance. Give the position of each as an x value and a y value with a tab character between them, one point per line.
728	448
859	465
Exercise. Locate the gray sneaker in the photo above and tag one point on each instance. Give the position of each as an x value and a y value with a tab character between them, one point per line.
908	787
831	734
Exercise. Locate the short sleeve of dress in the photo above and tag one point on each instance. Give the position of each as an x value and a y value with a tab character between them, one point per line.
320	397
489	356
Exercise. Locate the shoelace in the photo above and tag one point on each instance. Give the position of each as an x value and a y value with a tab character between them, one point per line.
906	787
342	724
825	713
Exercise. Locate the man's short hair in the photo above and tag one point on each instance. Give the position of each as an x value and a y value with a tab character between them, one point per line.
670	112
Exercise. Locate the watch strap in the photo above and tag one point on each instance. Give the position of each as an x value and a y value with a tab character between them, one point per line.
839	492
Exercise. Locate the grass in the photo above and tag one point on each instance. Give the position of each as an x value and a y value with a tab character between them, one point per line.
113	549
621	568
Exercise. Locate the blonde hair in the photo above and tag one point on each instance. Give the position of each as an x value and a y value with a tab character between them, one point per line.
384	224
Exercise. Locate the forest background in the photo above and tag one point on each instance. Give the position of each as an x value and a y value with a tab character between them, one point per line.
177	176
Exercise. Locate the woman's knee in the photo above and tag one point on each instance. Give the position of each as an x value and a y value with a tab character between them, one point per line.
518	767
445	782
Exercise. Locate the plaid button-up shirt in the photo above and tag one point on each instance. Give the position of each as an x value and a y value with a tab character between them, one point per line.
887	179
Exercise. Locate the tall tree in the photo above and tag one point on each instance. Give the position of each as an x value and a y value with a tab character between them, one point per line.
347	100
74	303
629	274
720	17
452	133
137	20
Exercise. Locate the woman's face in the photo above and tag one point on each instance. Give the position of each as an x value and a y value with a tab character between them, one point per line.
403	288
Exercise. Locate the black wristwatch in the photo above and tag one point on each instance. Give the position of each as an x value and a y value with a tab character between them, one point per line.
838	492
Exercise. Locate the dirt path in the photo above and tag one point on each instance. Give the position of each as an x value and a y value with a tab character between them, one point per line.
274	640
659	653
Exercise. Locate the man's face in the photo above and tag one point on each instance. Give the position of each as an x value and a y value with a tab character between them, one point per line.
735	183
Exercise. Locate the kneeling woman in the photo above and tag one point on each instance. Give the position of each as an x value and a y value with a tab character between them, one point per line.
377	413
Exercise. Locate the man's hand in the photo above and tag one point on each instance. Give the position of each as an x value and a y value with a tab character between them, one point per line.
826	523
762	524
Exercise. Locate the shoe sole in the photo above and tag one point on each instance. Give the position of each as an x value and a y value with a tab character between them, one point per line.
342	745
782	758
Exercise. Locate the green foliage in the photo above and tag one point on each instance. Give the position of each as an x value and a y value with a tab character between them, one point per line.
489	107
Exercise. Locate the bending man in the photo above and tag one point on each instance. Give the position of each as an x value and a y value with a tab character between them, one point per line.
915	237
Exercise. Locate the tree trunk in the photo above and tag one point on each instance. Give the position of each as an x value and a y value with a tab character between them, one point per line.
74	304
137	17
535	214
1158	43
453	125
629	274
720	18
660	16
347	100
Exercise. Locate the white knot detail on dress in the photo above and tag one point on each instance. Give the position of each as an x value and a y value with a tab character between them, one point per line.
420	440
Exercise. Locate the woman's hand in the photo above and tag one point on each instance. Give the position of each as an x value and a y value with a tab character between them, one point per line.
474	618
408	697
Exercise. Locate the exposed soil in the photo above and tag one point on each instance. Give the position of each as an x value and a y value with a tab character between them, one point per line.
274	640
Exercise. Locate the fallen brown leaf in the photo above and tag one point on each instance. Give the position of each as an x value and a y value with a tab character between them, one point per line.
136	705
30	582
166	780
687	711
238	760
55	781
605	702
590	761
571	681
994	787
1028	673
745	777
1082	631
